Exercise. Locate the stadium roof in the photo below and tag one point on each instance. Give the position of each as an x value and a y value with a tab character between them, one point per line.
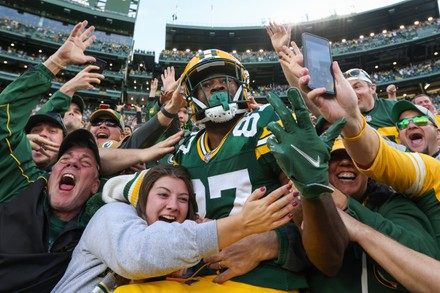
335	28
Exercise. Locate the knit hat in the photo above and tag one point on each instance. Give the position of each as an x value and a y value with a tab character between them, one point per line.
123	188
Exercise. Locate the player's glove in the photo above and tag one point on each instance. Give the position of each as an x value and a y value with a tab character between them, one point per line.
299	151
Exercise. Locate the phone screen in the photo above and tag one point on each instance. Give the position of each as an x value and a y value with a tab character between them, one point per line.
101	64
318	60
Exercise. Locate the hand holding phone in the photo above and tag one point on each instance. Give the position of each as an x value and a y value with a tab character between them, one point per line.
100	63
318	60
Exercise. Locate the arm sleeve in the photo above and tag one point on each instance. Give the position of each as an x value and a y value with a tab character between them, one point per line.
400	219
17	100
292	255
145	136
139	117
58	102
135	250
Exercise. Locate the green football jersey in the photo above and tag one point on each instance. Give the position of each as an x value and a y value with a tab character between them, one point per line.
224	177
379	118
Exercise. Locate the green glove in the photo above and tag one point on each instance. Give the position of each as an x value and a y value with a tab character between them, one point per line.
299	151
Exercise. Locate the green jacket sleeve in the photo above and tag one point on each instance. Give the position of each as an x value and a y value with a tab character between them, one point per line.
400	219
58	102
17	100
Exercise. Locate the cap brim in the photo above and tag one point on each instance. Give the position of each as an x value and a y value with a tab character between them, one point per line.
80	102
43	118
106	112
80	137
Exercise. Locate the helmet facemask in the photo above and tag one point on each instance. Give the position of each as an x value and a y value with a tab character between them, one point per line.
221	106
223	103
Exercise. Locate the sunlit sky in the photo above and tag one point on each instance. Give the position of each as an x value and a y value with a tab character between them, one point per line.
154	14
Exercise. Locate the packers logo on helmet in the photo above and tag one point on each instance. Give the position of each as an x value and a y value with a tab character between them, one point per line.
219	105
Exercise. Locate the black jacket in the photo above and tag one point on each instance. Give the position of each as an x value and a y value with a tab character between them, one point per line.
27	263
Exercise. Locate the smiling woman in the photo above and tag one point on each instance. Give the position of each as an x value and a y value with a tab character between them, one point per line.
156	235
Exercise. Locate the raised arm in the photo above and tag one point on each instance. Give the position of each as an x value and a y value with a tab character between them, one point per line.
360	140
116	160
72	51
304	156
416	271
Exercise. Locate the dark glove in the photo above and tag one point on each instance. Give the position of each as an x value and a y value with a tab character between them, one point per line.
299	151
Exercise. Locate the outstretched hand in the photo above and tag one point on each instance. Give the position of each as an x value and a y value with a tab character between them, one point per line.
84	80
160	149
299	151
343	105
279	34
72	51
177	100
264	214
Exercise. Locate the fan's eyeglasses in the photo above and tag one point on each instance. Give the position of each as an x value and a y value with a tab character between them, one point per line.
356	73
418	120
109	123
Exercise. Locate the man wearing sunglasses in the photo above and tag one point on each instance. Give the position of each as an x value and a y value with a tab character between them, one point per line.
417	127
376	111
107	126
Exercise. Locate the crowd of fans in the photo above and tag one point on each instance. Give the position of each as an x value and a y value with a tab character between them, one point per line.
56	32
213	188
363	43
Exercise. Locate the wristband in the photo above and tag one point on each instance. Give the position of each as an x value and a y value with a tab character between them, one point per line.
354	138
166	113
56	63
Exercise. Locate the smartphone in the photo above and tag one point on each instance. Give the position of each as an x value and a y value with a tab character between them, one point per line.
100	63
318	60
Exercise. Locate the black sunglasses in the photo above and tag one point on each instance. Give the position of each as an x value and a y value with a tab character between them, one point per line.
109	123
